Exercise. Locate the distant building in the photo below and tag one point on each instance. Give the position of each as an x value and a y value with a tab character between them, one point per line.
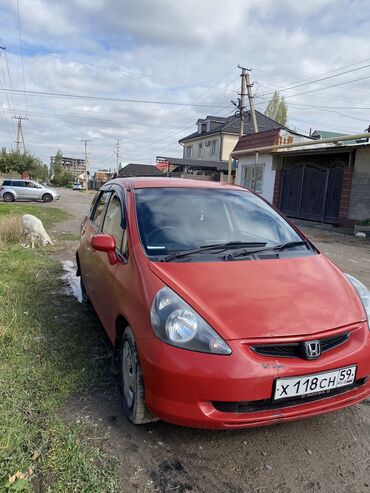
195	169
74	166
217	136
134	169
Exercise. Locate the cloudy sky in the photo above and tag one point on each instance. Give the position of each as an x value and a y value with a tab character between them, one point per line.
180	52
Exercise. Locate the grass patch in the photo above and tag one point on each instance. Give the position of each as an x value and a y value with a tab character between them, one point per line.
50	348
10	229
48	215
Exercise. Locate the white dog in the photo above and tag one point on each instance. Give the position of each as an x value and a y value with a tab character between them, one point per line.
34	232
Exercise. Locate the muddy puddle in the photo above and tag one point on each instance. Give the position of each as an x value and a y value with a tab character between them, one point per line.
70	281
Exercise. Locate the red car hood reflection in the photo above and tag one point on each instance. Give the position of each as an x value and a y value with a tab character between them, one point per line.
265	298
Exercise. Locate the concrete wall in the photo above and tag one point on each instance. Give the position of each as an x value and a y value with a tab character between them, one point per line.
207	150
359	204
228	144
268	173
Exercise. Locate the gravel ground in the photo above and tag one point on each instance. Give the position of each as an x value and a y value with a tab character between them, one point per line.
329	453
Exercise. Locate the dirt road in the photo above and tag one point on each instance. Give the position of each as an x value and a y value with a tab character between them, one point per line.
327	454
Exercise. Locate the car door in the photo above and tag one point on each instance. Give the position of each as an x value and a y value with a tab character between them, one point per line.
21	189
28	190
92	225
38	191
115	225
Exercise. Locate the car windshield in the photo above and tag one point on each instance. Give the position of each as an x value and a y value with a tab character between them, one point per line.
180	219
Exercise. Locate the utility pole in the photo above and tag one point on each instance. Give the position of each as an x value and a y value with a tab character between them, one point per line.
117	153
250	97
245	83
242	99
85	141
20	137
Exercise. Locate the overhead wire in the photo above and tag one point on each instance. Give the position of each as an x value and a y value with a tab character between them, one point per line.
109	99
136	74
21	50
5	122
10	78
329	111
191	125
309	81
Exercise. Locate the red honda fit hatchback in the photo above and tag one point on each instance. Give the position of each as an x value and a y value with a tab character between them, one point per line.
222	314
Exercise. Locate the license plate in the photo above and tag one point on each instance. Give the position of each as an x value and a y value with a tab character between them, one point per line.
312	384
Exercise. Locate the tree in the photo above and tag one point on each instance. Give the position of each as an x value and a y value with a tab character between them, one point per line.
22	164
57	168
59	175
277	109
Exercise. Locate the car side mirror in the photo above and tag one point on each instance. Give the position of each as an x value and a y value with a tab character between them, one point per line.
105	243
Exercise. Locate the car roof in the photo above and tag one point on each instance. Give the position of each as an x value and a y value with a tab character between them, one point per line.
156	182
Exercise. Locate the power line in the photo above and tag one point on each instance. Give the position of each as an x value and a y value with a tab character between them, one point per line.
186	127
329	111
106	98
10	78
318	80
327	87
21	48
97	120
333	107
138	74
6	125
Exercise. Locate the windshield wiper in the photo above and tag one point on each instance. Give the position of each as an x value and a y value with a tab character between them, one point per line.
218	246
283	246
290	244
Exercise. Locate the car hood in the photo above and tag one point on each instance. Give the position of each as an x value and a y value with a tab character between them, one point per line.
265	298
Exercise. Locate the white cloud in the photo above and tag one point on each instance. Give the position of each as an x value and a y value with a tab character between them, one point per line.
182	50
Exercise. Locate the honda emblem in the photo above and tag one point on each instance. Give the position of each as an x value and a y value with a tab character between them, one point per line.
312	349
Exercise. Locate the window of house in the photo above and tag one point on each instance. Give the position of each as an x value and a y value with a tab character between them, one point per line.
253	177
189	151
113	221
99	211
213	147
200	150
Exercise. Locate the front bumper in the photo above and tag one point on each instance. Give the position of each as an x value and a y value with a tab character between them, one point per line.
184	387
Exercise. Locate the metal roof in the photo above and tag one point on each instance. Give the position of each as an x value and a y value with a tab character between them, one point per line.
134	169
232	125
197	163
259	139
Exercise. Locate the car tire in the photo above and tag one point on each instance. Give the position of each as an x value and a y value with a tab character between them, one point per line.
47	197
132	382
8	197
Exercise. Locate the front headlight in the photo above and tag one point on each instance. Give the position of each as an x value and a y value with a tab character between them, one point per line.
363	293
176	323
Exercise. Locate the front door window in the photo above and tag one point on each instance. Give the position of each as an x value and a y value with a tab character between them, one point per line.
113	221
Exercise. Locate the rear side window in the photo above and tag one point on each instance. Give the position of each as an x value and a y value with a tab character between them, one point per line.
7	183
99	211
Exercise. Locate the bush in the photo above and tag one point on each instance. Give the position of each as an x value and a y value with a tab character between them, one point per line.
365	222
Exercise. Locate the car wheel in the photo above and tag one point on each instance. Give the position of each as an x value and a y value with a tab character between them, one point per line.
8	197
47	197
132	383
